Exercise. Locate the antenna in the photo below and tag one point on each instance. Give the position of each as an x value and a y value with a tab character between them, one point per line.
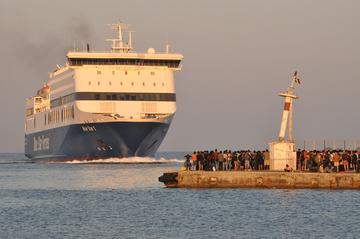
130	40
118	44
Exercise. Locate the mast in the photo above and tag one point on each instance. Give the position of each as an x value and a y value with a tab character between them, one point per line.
118	44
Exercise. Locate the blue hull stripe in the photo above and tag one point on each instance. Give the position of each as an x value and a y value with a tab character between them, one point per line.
96	140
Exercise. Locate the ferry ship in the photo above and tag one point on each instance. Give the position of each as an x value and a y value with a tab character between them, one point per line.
117	103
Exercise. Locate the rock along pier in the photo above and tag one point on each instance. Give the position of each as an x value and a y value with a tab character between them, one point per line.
264	179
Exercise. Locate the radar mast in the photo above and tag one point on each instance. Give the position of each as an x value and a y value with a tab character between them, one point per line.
118	44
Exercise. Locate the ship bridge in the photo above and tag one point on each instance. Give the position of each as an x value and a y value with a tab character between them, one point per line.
111	58
122	54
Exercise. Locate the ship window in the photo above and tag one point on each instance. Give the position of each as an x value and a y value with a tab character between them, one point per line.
98	82
89	82
113	72
98	72
143	83
163	84
132	83
97	96
154	84
121	83
125	72
152	73
109	82
108	97
138	72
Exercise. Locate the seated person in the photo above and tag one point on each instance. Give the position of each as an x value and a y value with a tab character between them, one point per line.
288	168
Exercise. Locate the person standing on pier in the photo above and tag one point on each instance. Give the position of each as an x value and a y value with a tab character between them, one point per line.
346	158
247	160
221	160
216	159
266	159
336	160
353	161
235	161
229	158
200	159
187	163
225	156
193	161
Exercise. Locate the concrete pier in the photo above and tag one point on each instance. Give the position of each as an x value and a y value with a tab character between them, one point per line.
260	179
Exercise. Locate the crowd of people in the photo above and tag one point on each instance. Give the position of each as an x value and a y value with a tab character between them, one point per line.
314	161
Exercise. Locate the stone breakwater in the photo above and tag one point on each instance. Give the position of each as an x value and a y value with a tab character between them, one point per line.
268	179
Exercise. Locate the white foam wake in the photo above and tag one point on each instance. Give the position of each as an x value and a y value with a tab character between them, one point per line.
131	160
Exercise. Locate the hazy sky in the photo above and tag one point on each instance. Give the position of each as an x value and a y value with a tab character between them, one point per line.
237	56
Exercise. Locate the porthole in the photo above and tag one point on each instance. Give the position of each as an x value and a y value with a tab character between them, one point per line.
125	72
98	82
163	84
89	82
132	83
154	84
121	83
143	83
109	82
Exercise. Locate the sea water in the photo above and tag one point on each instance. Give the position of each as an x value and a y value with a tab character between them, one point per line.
114	199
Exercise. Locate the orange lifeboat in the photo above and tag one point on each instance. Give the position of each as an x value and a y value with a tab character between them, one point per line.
44	91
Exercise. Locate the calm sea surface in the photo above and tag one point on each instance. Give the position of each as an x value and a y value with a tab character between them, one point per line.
79	200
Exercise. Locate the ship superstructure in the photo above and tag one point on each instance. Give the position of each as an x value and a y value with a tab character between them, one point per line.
103	104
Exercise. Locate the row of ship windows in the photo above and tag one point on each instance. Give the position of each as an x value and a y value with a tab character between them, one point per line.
125	72
132	83
57	116
122	61
60	115
113	96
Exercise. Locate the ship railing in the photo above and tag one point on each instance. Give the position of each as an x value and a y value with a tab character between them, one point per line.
328	144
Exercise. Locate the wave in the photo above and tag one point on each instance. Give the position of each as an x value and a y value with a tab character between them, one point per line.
131	160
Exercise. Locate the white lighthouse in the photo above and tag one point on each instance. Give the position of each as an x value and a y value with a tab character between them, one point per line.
283	151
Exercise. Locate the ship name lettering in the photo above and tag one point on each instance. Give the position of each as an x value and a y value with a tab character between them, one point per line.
41	143
88	128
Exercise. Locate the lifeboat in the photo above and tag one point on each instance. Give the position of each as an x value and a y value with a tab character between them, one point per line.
44	91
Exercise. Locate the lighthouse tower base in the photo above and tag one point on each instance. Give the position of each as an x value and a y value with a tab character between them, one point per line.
282	154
